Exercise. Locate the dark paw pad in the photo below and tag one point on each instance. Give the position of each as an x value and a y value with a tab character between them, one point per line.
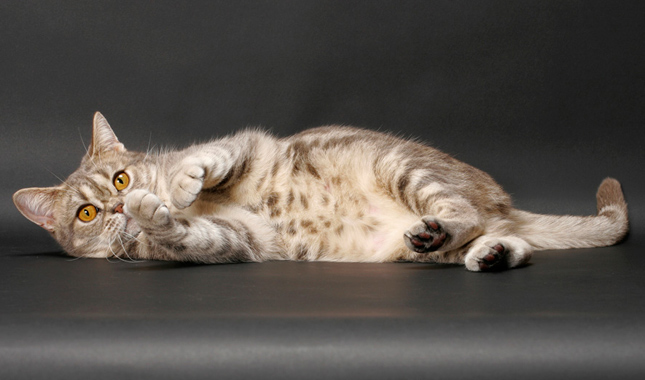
494	260
425	237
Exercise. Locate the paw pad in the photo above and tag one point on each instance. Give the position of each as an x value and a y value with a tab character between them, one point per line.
425	236
494	259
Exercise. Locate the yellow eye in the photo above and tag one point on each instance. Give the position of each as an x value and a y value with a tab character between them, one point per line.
121	181
87	213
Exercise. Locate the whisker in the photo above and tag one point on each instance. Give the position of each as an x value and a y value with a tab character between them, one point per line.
54	174
133	237
77	258
148	149
108	259
94	163
126	251
87	151
61	180
107	256
114	253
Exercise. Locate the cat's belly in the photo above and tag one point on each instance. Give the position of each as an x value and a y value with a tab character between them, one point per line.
351	228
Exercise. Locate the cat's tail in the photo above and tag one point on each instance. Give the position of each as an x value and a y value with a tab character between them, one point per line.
608	227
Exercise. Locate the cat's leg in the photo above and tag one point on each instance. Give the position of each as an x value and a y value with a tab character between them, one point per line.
199	170
489	253
229	237
214	165
449	223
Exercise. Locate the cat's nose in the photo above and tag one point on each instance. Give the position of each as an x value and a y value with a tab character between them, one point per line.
119	208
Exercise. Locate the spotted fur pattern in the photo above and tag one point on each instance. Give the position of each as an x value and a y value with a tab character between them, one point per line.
330	194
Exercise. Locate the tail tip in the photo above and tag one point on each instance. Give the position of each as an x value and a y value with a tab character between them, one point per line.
611	203
610	193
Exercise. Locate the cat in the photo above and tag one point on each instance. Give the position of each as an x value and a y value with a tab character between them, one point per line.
329	194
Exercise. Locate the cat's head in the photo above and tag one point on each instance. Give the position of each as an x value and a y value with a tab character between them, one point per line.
85	213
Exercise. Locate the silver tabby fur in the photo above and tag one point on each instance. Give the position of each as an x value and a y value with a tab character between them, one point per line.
330	194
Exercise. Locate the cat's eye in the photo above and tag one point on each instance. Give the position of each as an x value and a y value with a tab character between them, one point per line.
121	181
87	213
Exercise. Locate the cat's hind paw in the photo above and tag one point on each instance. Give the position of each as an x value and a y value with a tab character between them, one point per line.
186	184
425	236
487	258
498	254
146	208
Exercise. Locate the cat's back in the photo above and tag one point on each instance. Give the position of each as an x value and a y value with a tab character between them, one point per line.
362	152
340	137
337	144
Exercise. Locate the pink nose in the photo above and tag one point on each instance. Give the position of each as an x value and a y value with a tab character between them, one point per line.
119	208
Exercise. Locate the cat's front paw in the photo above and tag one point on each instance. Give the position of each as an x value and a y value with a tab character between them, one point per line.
425	236
146	208
187	183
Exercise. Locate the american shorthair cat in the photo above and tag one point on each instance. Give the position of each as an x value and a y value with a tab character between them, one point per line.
329	194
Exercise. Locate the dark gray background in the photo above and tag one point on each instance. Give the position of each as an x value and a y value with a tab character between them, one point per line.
546	96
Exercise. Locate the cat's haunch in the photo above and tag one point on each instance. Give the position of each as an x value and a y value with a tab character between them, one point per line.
328	194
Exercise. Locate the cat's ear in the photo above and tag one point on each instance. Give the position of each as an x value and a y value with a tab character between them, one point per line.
103	138
37	205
